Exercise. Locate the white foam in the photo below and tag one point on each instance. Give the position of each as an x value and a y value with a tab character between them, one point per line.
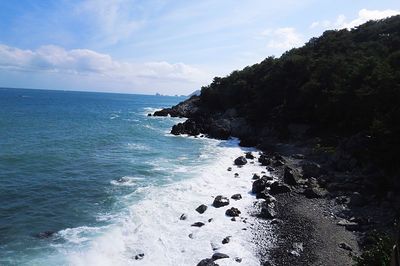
127	181
153	226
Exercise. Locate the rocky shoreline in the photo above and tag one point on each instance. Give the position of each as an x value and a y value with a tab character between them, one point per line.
320	206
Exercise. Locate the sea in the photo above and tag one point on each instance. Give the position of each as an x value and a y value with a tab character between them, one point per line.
90	179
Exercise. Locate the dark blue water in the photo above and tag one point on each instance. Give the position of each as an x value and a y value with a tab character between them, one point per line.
67	159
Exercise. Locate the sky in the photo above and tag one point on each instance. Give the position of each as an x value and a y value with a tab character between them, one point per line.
149	46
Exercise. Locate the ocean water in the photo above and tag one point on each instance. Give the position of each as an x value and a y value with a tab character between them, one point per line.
111	183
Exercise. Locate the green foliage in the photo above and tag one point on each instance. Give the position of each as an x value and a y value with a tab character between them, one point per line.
378	253
343	82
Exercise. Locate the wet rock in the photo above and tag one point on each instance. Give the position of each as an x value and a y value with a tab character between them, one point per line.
232	212
291	176
236	175
249	155
149	114
236	197
210	220
190	236
45	234
240	161
201	209
139	256
345	246
207	262
267	211
351	226
259	185
220	201
256	176
229	169
233	219
183	217
226	240
218	256
198	224
238	260
264	160
265	195
279	188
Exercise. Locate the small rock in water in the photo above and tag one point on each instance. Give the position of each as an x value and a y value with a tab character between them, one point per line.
201	209
236	175
190	235
238	260
207	262
210	220
183	217
240	161
45	234
233	219
218	256
232	212
148	114
256	176
198	224
236	197
229	169
220	201
226	240
139	256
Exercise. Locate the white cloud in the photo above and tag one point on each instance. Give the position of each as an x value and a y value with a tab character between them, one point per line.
113	19
364	15
84	64
283	38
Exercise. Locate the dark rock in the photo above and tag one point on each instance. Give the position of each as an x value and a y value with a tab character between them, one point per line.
220	201
264	160
201	209
240	161
267	211
232	212
256	176
188	127
198	224
233	219
351	226
207	262
269	178
278	163
249	155
226	240
311	170
236	197
236	175
148	114
315	192
210	220
291	176
139	256
265	195
279	188
259	185
238	260
345	246
183	217
218	256
45	234
229	169
190	235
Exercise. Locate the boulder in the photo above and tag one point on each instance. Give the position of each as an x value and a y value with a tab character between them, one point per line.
236	197
256	176
226	240
232	212
207	262
267	211
265	195
291	176
279	188
220	201
201	209
183	217
198	224
240	161
249	155
264	160
218	256
259	185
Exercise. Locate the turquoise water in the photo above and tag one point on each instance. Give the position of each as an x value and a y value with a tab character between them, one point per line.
76	160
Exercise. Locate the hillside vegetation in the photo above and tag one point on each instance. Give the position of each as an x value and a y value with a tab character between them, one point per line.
344	83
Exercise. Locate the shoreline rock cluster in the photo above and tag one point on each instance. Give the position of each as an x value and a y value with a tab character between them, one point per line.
330	185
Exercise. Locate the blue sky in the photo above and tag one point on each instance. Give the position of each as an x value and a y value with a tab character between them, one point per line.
148	46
